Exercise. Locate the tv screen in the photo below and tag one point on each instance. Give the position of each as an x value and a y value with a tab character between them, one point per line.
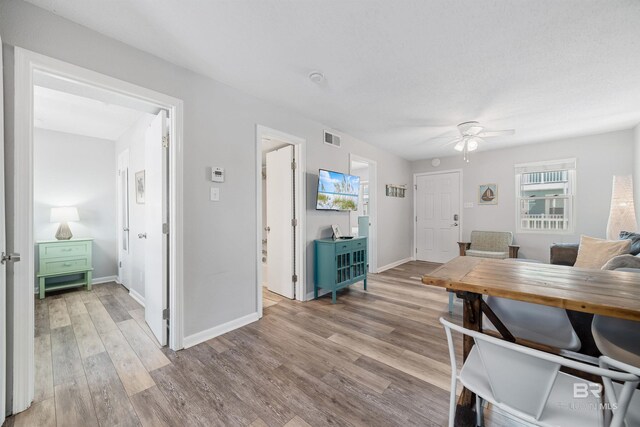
337	191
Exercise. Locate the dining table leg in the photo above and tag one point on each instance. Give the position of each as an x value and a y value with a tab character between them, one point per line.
471	319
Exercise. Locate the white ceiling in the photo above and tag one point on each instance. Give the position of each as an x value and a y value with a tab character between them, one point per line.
402	72
65	112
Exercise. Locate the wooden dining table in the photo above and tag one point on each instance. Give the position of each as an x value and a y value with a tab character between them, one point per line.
608	293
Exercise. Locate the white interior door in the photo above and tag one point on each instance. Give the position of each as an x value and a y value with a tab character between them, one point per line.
3	270
280	242
156	248
124	267
437	216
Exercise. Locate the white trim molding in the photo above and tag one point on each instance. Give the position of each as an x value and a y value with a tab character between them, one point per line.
373	209
394	264
310	296
105	279
207	334
299	145
26	64
136	296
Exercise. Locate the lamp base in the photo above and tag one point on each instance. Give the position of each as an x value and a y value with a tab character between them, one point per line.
64	232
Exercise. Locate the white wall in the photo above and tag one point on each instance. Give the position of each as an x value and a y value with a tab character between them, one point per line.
134	140
74	170
599	158
219	130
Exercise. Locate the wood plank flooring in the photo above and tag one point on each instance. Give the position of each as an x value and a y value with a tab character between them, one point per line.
376	358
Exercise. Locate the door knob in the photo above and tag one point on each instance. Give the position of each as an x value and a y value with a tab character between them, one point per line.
142	235
125	229
9	258
455	224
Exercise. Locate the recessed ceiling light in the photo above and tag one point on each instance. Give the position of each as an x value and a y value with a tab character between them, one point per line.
316	77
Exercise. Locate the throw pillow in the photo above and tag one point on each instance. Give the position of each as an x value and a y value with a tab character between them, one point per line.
635	241
594	253
622	261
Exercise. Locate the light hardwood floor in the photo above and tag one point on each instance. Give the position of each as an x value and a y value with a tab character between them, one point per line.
376	358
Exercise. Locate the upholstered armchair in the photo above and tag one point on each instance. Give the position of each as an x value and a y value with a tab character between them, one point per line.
490	244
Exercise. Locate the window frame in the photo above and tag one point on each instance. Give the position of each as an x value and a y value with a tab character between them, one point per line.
570	165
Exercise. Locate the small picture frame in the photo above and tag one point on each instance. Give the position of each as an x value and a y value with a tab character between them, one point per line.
337	233
488	194
140	187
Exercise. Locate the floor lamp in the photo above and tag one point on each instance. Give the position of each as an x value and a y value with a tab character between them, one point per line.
622	216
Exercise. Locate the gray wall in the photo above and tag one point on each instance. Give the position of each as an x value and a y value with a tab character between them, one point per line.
219	130
74	170
599	158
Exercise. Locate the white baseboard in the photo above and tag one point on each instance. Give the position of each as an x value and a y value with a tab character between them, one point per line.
310	296
136	296
207	334
394	264
105	279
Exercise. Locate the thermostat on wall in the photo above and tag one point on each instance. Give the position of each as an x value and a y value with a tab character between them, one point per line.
217	174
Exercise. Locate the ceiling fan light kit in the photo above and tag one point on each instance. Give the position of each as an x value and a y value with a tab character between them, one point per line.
472	134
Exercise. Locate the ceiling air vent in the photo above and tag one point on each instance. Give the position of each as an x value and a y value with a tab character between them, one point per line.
331	139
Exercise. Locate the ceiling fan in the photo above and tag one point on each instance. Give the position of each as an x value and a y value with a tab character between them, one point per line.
472	134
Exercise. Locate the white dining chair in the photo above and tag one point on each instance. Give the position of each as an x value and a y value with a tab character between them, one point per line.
617	338
529	385
534	322
613	390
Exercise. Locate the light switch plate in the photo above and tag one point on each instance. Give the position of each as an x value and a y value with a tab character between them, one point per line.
215	194
468	205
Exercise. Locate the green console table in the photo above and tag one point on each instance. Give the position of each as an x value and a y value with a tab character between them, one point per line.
60	258
340	263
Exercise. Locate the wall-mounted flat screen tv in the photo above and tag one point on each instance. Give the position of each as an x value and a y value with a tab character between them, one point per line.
337	191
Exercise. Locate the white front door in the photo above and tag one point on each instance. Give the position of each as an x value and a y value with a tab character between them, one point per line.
156	247
124	267
3	269
437	216
280	242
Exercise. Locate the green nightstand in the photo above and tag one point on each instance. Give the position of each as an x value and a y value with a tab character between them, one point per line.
60	258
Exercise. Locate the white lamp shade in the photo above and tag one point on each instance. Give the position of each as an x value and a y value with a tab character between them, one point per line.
622	215
64	214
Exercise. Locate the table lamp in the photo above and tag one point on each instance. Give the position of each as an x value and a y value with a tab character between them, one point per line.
63	215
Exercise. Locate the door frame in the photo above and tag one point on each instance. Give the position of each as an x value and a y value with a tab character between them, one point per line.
299	145
26	63
415	213
3	270
124	154
373	208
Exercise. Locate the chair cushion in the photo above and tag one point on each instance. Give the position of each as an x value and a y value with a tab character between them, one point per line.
635	241
493	241
594	253
487	254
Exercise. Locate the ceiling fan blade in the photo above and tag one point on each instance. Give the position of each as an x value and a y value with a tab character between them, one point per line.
490	133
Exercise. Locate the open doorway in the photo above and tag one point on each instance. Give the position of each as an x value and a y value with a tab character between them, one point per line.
69	225
363	222
281	190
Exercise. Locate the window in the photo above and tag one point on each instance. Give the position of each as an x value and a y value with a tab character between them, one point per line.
545	196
